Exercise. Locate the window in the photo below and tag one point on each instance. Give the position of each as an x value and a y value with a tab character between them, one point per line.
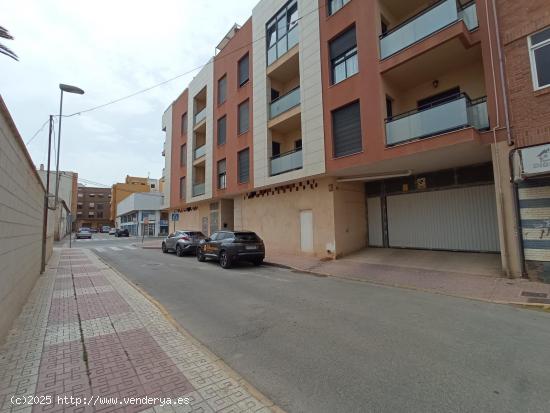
222	130
539	52
222	175
243	164
346	130
182	188
335	5
243	122
222	90
80	195
91	205
79	205
243	70
184	124
389	107
183	155
99	206
343	56
281	32
298	144
91	195
100	214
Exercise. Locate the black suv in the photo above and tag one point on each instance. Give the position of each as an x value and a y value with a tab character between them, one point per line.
231	246
122	232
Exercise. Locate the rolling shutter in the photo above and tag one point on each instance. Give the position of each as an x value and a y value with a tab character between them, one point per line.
243	166
346	130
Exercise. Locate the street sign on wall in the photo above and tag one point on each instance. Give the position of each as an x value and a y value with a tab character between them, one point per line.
535	160
175	216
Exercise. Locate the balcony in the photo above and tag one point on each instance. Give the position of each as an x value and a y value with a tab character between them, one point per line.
448	115
200	152
283	45
426	23
286	162
198	189
284	103
200	116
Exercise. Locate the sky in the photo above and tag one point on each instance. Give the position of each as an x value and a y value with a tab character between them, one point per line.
109	49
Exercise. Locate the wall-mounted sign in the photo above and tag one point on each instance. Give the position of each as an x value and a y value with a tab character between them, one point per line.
535	160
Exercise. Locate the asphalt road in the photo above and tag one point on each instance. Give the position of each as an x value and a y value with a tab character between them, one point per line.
316	344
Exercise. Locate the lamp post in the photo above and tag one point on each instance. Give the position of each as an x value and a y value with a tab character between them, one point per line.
68	89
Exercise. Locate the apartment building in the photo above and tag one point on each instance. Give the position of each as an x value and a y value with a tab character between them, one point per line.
131	185
334	126
525	44
93	207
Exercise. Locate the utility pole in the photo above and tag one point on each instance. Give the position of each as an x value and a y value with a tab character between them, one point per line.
46	202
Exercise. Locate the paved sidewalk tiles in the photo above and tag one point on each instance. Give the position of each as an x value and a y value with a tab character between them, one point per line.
86	332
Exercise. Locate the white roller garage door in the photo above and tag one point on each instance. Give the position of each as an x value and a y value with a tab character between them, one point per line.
461	219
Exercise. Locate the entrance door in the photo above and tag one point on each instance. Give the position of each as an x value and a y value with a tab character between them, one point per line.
306	230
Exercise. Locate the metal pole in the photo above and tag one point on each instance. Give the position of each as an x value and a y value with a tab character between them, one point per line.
46	203
58	148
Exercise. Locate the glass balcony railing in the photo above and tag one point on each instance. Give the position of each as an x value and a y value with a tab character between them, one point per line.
286	162
198	189
200	152
284	103
200	116
429	21
445	116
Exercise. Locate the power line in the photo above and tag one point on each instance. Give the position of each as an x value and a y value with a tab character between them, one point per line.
37	132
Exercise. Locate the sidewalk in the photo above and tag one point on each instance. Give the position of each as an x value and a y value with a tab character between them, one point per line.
87	332
459	284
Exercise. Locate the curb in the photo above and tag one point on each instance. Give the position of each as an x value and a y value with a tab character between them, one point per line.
215	358
543	307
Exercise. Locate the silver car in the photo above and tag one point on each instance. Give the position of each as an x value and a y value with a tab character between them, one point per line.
182	242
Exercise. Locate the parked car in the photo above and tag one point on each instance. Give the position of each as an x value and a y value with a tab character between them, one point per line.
113	231
84	233
93	230
105	229
122	232
230	246
182	242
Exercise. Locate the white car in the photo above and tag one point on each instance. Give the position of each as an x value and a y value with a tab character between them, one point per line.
112	231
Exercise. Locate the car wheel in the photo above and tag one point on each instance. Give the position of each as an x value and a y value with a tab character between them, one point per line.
179	251
200	256
225	261
164	249
258	262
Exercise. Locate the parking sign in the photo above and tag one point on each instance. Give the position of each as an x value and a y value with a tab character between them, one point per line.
175	216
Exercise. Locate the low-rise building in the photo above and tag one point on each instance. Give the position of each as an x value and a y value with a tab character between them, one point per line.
131	185
141	214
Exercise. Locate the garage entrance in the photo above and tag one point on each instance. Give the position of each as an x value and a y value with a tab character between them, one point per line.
451	210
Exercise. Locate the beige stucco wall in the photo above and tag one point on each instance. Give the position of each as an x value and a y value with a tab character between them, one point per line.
508	233
21	217
350	217
276	218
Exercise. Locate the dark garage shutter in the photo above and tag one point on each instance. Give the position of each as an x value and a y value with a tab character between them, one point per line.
346	130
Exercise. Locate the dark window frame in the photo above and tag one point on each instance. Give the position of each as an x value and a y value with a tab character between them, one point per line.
183	154
184	124
240	172
332	10
537	42
344	58
183	189
241	81
336	155
222	81
222	176
218	134
241	131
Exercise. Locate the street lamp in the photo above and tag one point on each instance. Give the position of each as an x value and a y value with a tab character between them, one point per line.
68	89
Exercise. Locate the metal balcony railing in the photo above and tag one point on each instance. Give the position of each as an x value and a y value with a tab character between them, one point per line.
286	162
284	103
443	116
427	22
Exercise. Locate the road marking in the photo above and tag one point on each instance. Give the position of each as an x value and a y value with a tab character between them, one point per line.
99	249
130	247
116	248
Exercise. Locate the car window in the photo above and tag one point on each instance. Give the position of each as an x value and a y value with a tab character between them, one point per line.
246	236
196	234
214	236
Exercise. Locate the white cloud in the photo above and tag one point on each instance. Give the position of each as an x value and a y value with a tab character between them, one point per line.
110	49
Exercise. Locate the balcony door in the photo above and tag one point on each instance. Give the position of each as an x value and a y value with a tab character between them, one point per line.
439	98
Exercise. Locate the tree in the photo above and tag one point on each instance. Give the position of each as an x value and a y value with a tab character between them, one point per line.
4	34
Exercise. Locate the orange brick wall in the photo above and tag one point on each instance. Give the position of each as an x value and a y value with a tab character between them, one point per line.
529	109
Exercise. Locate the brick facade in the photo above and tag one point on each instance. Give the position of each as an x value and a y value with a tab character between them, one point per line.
529	109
